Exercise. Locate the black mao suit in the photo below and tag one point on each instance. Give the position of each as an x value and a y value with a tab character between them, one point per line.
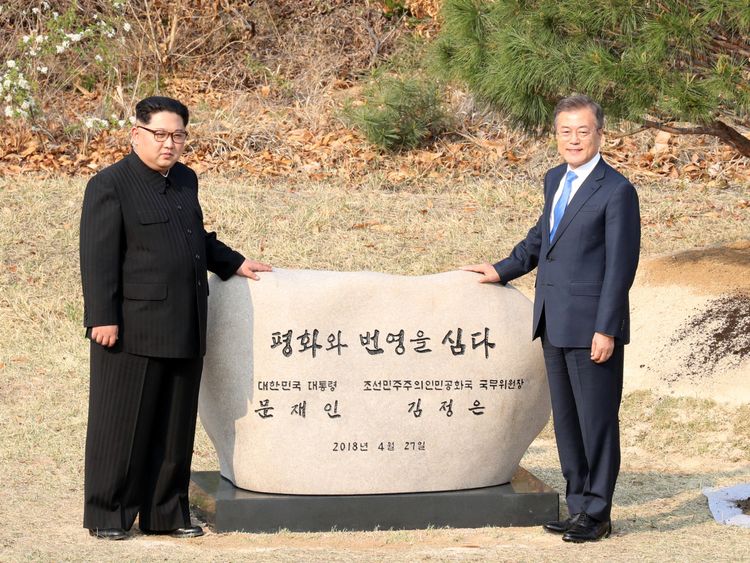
144	259
583	278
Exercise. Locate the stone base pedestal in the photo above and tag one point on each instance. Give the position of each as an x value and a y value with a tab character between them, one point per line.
525	501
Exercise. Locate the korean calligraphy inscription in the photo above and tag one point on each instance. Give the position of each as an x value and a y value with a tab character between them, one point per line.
358	383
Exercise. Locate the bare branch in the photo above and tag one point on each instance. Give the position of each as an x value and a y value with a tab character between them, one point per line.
732	47
716	129
678	130
630	133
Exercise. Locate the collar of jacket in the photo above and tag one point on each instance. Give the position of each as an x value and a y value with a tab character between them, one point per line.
152	178
592	183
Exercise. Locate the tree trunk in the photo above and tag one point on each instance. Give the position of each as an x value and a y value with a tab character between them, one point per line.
732	137
717	128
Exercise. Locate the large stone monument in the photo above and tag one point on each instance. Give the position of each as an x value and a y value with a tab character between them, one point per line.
360	383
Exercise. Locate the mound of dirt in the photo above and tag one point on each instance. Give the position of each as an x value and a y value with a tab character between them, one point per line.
716	338
718	269
691	325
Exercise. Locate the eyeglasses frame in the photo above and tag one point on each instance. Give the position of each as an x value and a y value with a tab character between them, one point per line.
169	134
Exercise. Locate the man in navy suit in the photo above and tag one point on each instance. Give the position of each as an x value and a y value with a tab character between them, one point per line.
585	246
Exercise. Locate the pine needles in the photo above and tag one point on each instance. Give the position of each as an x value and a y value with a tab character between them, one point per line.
671	62
399	114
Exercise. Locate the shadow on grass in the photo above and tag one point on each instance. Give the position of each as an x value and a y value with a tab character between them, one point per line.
679	493
654	501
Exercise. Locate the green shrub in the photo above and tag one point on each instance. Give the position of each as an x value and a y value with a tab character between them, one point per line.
399	114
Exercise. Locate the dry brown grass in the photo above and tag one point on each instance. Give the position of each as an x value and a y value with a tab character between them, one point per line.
672	447
286	51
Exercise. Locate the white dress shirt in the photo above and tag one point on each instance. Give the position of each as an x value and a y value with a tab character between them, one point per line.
582	172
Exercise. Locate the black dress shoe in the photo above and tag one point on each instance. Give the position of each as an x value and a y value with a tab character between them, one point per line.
108	533
561	526
180	533
588	529
189	532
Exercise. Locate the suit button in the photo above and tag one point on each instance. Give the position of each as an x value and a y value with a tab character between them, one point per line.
190	231
179	207
199	284
197	256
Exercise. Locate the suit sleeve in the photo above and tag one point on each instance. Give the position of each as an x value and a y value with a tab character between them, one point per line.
622	232
221	259
524	257
100	248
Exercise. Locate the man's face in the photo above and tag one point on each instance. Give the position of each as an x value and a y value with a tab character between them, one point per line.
578	139
158	155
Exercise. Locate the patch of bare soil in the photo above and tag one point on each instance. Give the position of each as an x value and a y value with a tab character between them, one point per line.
719	335
691	325
718	269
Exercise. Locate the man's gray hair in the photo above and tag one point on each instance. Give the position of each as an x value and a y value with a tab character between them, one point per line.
580	101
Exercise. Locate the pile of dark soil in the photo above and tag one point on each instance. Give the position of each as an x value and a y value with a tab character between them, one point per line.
716	337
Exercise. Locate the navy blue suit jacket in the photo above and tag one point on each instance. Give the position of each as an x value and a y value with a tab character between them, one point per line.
586	271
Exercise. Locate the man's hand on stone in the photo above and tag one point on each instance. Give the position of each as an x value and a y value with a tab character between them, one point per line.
105	335
602	347
489	274
249	267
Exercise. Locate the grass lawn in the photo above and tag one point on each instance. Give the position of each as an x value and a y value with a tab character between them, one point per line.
672	447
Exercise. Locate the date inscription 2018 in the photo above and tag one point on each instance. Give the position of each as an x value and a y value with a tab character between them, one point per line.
384	446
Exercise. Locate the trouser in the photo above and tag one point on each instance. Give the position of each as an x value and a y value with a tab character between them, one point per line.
139	443
585	407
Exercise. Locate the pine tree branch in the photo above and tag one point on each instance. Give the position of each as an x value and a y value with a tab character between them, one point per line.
724	44
677	130
684	60
630	133
716	128
674	59
688	63
732	137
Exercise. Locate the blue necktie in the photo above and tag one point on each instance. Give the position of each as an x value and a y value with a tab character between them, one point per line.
562	203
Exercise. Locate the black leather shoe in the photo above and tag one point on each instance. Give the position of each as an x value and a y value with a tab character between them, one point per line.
180	533
189	532
561	526
108	533
588	529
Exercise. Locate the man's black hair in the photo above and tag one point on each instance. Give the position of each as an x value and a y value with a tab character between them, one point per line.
154	104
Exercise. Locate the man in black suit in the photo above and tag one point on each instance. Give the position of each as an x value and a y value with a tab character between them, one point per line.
585	245
144	259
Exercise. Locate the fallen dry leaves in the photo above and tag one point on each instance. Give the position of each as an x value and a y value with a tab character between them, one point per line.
286	142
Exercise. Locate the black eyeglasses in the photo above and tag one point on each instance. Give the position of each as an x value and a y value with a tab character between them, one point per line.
160	135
